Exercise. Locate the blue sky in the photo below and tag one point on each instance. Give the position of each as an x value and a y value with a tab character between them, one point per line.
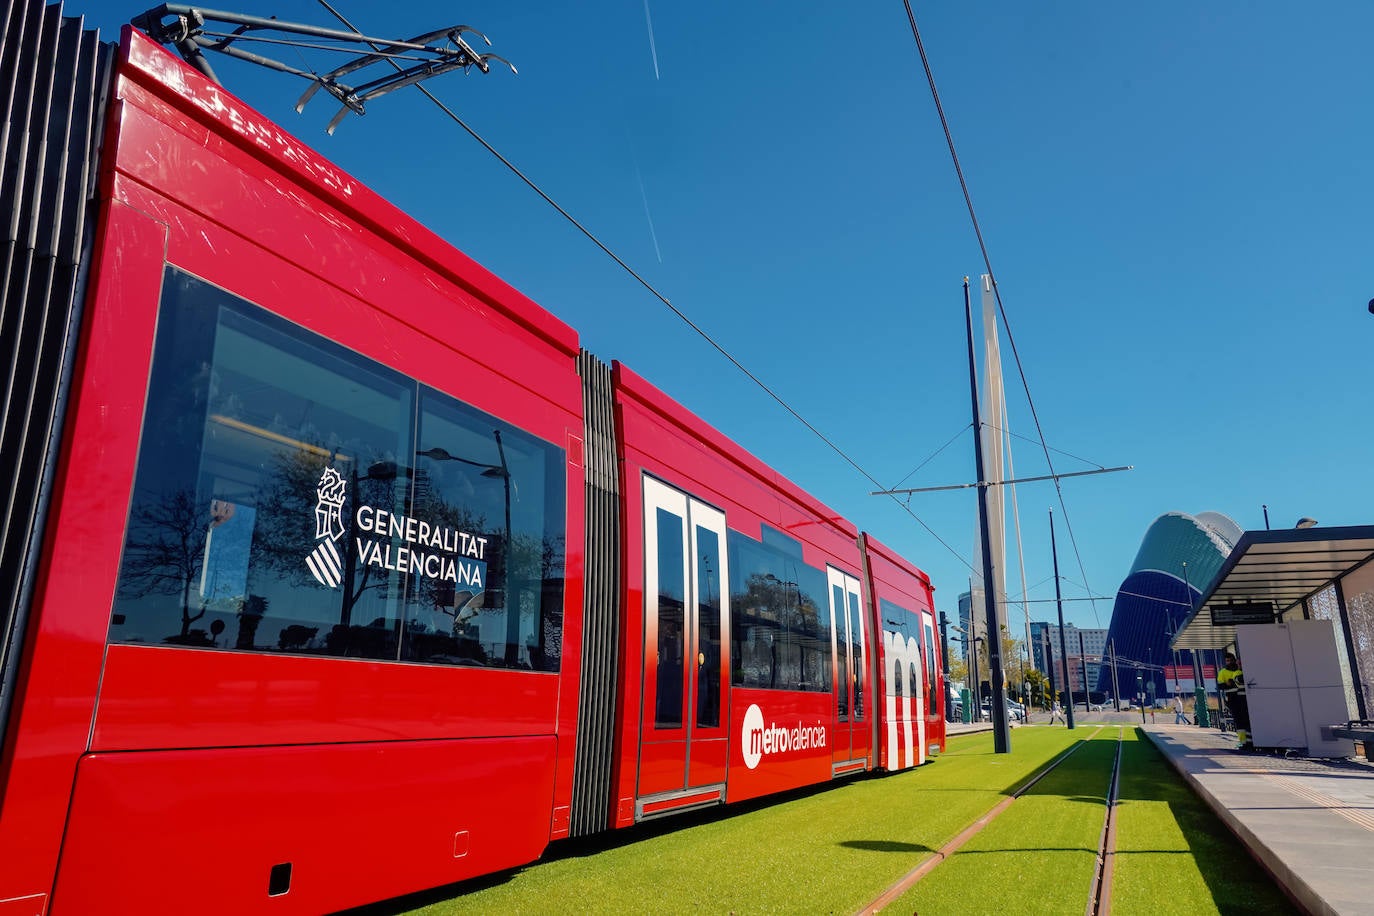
1176	201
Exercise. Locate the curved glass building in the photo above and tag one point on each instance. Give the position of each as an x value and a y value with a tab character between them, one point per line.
1157	595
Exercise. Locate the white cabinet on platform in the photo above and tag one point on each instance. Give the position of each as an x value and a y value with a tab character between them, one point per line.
1293	685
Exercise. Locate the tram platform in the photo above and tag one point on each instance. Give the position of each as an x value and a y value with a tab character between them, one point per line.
1308	821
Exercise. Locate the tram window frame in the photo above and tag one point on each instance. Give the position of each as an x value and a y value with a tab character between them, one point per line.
274	498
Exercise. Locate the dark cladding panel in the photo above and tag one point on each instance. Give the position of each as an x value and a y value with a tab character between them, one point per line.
601	605
54	82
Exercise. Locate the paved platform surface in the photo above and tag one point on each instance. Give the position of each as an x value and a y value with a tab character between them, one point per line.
1310	822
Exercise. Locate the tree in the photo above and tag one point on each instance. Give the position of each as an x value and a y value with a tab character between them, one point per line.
1039	686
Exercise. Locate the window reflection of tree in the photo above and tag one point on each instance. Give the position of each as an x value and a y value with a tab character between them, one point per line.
286	535
785	642
164	555
441	616
524	568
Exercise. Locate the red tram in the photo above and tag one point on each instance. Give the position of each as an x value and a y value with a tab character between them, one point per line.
335	569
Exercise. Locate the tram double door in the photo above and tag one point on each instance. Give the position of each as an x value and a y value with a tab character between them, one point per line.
683	741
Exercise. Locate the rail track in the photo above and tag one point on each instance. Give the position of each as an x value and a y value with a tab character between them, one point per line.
1098	897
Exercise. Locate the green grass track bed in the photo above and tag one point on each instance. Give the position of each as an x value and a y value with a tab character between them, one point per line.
1173	854
836	850
831	851
1039	855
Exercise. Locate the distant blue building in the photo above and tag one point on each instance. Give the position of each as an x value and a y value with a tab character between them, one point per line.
1040	647
1155	598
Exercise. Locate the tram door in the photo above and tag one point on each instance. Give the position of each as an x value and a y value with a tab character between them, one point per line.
683	743
852	739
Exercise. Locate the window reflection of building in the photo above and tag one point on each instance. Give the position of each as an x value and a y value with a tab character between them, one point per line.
780	634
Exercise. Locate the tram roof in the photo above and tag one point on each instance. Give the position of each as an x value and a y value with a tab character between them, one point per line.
1282	568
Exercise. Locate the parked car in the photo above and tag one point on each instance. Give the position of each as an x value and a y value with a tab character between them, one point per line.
1015	713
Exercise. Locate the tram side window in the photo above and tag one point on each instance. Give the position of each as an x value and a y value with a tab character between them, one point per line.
841	659
856	640
708	628
487	583
672	590
780	619
933	702
277	506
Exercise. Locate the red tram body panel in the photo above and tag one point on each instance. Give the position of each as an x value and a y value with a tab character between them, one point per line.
911	680
322	610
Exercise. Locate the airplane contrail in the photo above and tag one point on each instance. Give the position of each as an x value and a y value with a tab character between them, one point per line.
647	215
652	49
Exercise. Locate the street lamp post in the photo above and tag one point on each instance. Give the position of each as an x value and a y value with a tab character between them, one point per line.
1153	689
1083	669
975	675
1063	645
512	606
944	658
1201	714
969	703
500	471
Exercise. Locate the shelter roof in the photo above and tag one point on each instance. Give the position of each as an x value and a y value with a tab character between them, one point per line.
1282	568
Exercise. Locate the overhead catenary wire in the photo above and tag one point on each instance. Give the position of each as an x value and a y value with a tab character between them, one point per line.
662	298
1052	448
933	455
987	262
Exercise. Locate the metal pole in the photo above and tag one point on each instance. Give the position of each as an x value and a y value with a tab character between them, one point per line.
1266	516
1049	664
963	643
1001	729
1116	687
1063	646
944	658
1083	664
1350	652
1140	693
507	551
1201	714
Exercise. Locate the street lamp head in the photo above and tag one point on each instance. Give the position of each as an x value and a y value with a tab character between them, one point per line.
382	470
1305	522
437	453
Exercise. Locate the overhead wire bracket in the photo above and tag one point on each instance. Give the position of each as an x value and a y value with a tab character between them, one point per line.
195	30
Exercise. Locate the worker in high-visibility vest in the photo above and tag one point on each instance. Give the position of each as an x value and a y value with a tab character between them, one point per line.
1231	684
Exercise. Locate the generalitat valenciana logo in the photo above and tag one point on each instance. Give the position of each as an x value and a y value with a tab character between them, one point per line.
324	561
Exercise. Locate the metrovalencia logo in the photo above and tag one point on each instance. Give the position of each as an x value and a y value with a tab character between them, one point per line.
758	740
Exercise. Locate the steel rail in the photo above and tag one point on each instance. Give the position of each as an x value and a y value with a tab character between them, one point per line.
909	880
1100	893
